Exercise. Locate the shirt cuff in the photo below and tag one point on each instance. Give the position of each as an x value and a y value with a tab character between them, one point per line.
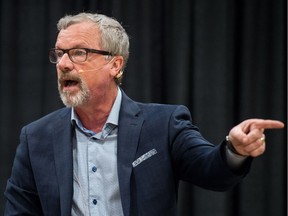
235	161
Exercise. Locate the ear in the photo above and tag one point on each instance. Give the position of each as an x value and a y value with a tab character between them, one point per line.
116	65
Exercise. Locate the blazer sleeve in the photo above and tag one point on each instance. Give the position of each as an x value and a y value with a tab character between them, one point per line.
21	193
198	161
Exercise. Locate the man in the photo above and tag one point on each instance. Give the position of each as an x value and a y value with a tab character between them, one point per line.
105	154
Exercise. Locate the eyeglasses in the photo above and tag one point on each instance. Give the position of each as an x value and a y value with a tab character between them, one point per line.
75	54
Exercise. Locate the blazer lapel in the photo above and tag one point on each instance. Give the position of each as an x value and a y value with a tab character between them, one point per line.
128	135
62	144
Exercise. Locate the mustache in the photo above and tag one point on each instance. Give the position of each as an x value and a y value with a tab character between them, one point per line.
67	76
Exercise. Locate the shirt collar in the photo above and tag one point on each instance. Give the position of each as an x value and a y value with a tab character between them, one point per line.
111	120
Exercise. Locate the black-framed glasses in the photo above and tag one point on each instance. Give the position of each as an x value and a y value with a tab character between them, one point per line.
75	54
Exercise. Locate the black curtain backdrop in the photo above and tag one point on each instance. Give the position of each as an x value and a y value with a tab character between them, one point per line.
224	59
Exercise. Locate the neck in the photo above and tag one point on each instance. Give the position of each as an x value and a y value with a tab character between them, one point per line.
94	114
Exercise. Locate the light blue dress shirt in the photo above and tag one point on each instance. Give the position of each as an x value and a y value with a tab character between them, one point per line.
95	176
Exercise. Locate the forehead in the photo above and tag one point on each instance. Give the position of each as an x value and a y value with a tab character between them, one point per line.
84	34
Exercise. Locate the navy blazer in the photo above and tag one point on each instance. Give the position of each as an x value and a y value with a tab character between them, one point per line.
41	182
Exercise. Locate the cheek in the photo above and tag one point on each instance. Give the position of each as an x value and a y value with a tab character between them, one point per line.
58	71
58	75
96	78
89	80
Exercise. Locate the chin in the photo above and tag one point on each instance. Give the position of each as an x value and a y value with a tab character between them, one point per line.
73	100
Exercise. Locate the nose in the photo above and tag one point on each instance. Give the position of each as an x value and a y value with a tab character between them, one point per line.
65	64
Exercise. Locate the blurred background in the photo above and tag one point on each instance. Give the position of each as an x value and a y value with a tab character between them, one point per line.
224	59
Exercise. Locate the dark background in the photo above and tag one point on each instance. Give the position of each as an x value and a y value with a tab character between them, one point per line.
224	59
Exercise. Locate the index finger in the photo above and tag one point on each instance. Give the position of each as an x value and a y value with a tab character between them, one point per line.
266	124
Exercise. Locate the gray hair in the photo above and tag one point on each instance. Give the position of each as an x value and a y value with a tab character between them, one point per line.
114	38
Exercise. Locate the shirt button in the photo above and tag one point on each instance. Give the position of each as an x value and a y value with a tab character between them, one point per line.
94	201
94	168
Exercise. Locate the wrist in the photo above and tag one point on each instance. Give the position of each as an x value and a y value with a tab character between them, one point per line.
231	147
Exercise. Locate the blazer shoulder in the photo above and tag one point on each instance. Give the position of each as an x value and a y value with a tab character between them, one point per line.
149	109
49	120
163	109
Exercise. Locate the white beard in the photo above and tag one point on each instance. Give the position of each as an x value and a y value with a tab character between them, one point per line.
74	100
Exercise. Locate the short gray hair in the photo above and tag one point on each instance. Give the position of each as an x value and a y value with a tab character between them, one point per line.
114	38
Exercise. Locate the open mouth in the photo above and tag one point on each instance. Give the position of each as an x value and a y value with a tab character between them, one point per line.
69	83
